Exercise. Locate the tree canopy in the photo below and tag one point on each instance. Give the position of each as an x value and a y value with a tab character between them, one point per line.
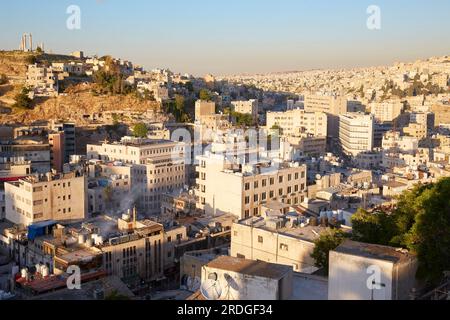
140	130
205	95
329	240
22	99
420	223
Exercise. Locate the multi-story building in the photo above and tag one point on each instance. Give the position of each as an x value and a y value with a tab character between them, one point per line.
442	113
247	187
69	138
356	133
60	197
33	149
247	107
424	118
296	122
204	108
282	238
157	166
416	130
11	171
386	111
57	155
293	148
332	105
43	80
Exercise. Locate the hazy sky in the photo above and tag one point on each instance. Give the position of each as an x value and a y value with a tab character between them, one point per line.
235	36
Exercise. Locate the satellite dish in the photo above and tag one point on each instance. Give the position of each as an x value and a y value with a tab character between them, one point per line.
231	283
211	289
193	284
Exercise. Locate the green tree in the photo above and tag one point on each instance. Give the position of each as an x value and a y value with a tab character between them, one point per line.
329	240
420	223
39	50
377	227
140	130
429	236
22	99
205	95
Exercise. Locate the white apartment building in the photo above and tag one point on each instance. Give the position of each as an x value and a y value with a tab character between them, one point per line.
386	111
394	142
247	107
356	133
43	80
332	105
296	122
158	166
46	197
276	239
241	190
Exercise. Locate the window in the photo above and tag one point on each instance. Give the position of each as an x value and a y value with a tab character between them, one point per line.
255	184
284	247
247	200
255	198
264	182
240	256
280	179
260	239
247	186
235	233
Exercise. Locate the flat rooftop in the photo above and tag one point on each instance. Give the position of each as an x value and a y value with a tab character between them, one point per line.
250	267
374	251
307	233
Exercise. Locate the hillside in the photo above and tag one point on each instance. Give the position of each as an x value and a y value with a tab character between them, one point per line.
76	103
73	104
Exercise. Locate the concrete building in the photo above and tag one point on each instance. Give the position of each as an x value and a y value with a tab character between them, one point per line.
424	118
157	166
356	133
386	111
57	154
296	122
416	130
59	197
280	236
442	113
33	149
241	279
247	187
247	107
293	148
332	105
204	108
361	271
43	80
68	129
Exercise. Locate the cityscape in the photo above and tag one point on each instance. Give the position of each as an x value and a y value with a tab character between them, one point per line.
127	179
